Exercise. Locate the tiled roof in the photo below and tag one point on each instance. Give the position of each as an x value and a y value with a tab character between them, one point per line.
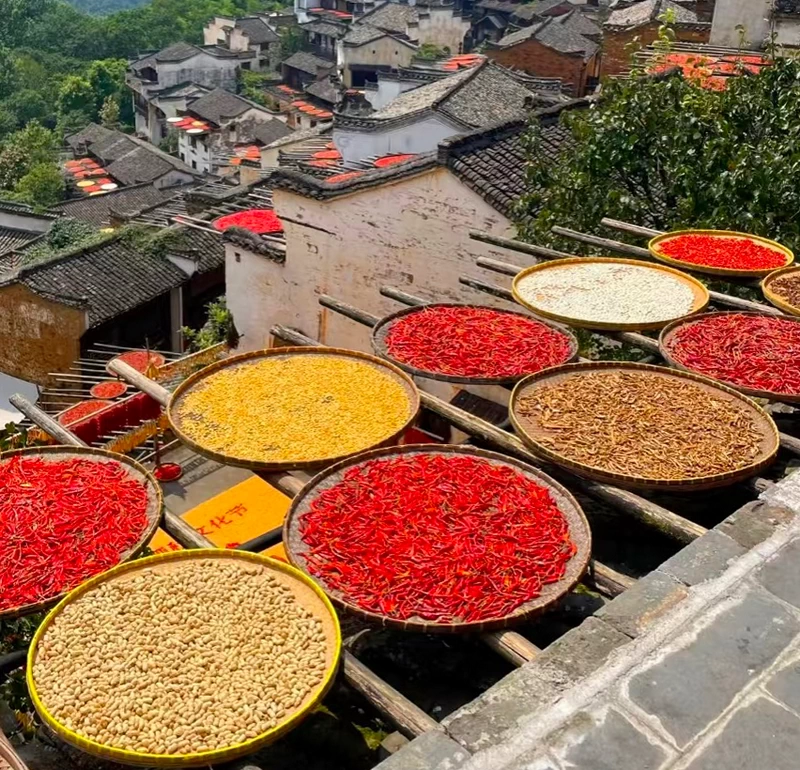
112	147
139	165
518	36
322	27
490	96
539	8
421	98
493	161
12	238
391	17
359	34
307	62
299	136
268	131
580	23
89	134
649	10
257	30
127	201
324	89
218	105
563	38
108	279
176	52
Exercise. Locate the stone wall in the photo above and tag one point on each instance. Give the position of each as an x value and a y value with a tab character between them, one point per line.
753	15
39	336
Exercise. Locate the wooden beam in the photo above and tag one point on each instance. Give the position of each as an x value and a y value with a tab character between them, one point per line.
514	647
627	227
602	243
520	246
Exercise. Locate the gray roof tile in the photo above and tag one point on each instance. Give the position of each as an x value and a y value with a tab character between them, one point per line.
322	27
307	62
218	105
257	30
127	201
649	10
359	34
391	17
12	238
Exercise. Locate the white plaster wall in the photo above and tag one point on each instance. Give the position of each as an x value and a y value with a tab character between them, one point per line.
203	69
412	235
421	136
444	29
173	179
199	155
214	31
385	51
388	90
753	15
788	31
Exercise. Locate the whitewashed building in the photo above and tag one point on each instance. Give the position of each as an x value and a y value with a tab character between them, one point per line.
758	19
246	33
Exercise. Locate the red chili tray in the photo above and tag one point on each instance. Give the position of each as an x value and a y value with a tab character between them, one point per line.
580	533
136	471
382	329
666	343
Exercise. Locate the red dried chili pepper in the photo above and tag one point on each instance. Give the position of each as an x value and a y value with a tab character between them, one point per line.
141	359
752	351
61	522
81	411
257	221
448	538
476	342
725	251
108	389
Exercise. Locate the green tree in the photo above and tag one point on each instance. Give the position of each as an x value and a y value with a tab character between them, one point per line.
291	41
8	121
76	94
106	78
109	112
27	105
670	153
42	186
219	327
23	150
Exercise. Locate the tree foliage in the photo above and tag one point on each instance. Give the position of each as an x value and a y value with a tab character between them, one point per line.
668	153
42	186
218	328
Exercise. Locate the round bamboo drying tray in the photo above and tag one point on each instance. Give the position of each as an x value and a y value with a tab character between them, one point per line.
528	431
384	326
8	757
776	299
655	243
699	291
242	360
580	533
155	503
668	334
305	591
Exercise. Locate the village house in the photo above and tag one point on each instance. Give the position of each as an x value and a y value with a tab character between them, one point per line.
216	123
246	33
19	225
417	120
565	47
129	160
758	19
303	67
321	37
639	23
389	36
53	310
171	78
492	18
406	225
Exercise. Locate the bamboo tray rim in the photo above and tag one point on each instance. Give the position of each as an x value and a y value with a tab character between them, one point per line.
195	759
382	329
665	338
155	504
774	298
570	508
411	392
654	243
701	295
767	425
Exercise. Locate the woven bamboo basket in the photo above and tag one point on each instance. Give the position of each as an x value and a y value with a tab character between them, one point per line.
776	299
8	757
196	380
155	503
384	327
580	534
529	432
305	591
699	292
667	336
655	244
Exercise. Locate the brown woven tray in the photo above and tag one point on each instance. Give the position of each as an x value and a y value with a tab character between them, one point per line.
701	296
655	244
528	431
8	757
552	593
384	326
242	360
154	505
776	299
666	338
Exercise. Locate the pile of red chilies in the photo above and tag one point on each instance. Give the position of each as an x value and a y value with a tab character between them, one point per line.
476	342
445	538
727	252
751	351
63	522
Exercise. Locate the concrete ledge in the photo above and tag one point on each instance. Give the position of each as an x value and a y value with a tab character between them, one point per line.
430	751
